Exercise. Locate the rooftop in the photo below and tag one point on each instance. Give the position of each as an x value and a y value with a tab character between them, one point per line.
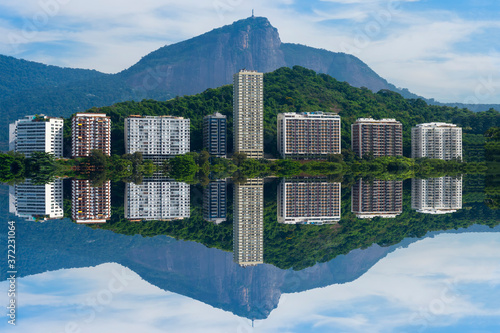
437	125
371	120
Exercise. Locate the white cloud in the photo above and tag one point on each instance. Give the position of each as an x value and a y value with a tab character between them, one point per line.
434	282
416	50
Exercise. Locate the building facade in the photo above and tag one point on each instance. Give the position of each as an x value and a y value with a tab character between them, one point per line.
382	198
37	202
436	195
380	137
308	134
157	136
248	113
90	131
436	140
215	134
215	201
37	133
248	223
308	201
90	204
157	200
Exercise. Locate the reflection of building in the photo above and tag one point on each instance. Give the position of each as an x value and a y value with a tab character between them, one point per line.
308	134
90	204
436	140
37	133
90	131
215	201
248	223
380	137
157	199
215	134
308	201
156	136
383	198
37	202
248	113
436	195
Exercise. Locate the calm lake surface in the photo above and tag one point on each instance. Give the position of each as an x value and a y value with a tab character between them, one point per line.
366	256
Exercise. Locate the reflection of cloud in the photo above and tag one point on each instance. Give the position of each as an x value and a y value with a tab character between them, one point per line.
418	46
436	282
441	280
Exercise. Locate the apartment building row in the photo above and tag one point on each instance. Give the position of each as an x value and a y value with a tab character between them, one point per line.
299	135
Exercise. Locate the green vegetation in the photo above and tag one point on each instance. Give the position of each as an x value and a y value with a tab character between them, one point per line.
301	246
492	185
11	168
301	90
43	168
287	90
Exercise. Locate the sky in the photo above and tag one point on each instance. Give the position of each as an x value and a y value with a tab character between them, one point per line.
449	283
443	49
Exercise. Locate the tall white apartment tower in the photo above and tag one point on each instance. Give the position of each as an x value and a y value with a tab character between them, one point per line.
37	202
157	136
436	140
37	133
248	223
248	113
436	195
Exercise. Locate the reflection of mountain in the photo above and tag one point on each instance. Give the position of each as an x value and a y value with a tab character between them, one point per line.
187	268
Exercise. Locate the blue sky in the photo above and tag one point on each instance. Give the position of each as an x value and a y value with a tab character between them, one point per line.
449	283
448	50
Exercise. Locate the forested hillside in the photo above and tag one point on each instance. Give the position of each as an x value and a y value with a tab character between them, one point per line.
298	90
301	246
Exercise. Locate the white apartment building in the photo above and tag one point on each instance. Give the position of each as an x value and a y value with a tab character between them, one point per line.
248	223
157	200
248	113
436	140
157	136
37	133
436	195
37	202
308	134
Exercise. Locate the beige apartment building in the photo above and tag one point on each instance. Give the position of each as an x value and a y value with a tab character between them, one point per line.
248	113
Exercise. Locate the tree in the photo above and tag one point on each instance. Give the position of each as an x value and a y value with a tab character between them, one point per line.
183	168
238	158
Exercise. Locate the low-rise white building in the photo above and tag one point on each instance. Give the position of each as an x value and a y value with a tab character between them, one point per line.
157	199
37	133
37	202
157	136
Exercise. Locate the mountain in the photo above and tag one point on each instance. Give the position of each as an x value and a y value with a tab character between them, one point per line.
210	60
18	76
184	68
187	268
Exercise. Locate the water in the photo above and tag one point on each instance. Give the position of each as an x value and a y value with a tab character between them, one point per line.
429	264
